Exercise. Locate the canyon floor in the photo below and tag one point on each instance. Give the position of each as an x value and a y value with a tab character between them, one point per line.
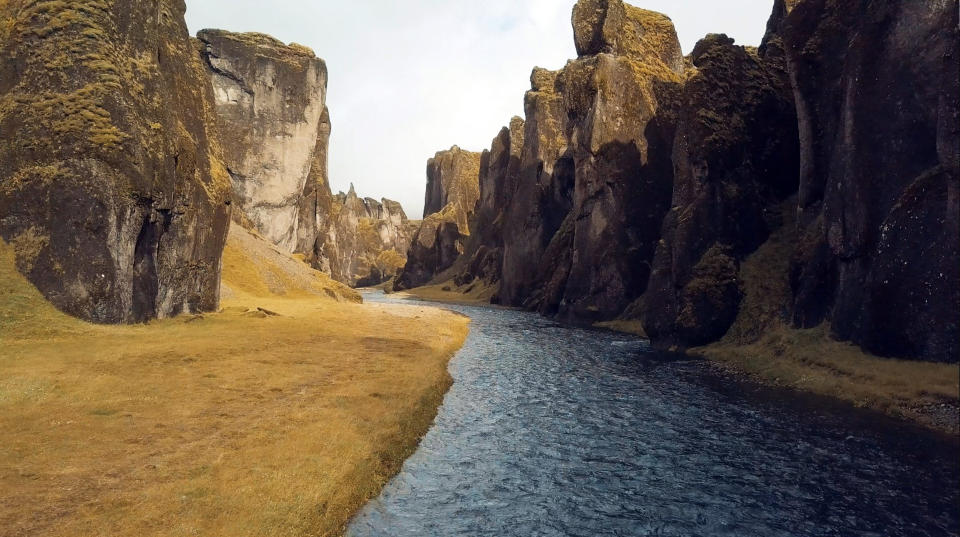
281	414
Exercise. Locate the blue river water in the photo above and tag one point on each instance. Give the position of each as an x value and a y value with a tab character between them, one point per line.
556	431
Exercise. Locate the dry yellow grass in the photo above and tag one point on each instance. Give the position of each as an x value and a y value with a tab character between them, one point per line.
237	423
812	361
627	326
472	293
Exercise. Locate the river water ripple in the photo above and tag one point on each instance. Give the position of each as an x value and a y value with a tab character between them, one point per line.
556	431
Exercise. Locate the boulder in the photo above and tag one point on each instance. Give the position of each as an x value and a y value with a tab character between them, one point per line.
613	27
113	189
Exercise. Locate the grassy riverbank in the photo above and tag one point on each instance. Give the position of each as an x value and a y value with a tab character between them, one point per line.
451	293
281	415
810	360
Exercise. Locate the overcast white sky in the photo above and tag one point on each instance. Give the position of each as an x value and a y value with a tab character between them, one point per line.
411	77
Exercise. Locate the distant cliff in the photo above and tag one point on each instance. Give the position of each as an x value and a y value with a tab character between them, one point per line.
452	192
271	105
718	195
113	188
367	240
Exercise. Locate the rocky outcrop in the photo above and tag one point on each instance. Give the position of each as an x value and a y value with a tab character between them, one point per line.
367	240
811	181
615	105
113	189
499	177
270	101
453	189
876	91
735	158
587	193
544	192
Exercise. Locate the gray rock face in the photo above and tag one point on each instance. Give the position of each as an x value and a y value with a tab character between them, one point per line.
113	189
270	100
367	241
499	177
544	191
453	188
594	176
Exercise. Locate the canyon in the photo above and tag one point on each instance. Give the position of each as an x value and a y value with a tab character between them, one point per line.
133	155
271	107
789	211
734	191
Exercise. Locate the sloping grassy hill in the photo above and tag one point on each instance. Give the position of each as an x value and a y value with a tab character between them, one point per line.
280	415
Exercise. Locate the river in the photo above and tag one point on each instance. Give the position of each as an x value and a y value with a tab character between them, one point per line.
557	431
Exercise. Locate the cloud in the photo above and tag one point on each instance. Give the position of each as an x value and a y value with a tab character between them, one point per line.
409	78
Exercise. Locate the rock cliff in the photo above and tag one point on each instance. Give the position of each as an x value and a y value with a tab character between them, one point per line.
735	158
594	174
737	189
113	189
876	90
367	240
453	188
271	105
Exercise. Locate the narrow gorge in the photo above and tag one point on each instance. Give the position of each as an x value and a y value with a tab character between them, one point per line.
712	291
723	195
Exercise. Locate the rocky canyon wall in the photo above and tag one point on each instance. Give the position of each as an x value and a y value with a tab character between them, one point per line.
271	105
813	180
876	90
367	240
113	189
453	189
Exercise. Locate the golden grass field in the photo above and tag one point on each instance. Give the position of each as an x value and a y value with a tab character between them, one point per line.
229	424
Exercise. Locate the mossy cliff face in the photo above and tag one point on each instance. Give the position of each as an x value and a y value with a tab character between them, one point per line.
735	158
366	242
499	176
544	190
812	181
453	188
112	183
616	104
587	194
270	101
876	89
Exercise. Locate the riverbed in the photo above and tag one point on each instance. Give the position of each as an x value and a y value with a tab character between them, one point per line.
550	430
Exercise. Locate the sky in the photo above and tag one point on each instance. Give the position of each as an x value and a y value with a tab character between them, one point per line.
408	78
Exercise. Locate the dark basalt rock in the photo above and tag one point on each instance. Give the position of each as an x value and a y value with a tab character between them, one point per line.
113	189
735	155
544	191
876	91
618	121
